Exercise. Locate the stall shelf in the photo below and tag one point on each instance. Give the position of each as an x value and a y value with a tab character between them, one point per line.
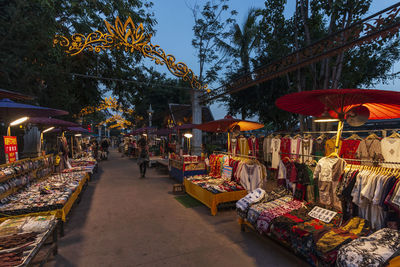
210	199
179	168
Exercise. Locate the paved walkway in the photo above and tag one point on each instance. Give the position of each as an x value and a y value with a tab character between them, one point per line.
123	220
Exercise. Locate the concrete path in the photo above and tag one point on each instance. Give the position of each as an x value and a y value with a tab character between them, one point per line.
123	220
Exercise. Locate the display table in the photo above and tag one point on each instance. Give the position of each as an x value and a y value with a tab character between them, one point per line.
58	213
210	199
24	239
180	169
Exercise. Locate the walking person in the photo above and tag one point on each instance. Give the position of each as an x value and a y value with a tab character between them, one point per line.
143	158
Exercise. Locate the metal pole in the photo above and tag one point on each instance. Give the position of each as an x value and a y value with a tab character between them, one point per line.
338	135
196	119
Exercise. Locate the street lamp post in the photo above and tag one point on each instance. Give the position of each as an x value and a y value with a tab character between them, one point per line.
150	111
188	136
14	123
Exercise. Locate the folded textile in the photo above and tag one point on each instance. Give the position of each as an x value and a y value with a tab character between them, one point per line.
251	198
373	250
265	218
330	241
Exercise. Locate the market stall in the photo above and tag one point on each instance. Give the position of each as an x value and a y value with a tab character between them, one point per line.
227	180
23	238
186	165
338	200
28	188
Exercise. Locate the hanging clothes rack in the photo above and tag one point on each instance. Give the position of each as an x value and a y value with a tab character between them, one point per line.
346	159
235	155
334	132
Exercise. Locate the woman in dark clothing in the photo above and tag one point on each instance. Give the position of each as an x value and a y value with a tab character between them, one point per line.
143	158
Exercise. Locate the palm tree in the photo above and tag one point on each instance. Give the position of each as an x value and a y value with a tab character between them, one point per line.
244	38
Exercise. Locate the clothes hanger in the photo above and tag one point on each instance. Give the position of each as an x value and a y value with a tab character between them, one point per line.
306	136
287	136
333	155
394	134
354	137
321	137
372	136
297	136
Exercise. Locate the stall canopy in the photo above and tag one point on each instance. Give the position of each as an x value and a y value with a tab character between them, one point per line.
185	127
227	124
10	109
381	104
338	103
51	122
144	130
164	132
14	95
78	129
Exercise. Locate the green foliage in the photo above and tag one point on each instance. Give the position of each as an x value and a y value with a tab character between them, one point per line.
30	64
158	91
211	24
313	19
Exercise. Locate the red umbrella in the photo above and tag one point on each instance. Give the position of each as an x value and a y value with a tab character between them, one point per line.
338	102
227	124
381	104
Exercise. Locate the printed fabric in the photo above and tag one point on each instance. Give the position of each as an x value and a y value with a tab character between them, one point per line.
282	225
265	218
256	210
251	198
373	250
302	236
285	148
349	150
275	150
332	240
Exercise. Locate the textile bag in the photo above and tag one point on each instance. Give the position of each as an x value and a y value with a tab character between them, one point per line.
227	172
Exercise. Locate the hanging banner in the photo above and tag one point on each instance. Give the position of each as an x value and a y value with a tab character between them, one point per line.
11	148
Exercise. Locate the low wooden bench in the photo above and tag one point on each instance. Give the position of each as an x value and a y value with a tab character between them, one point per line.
178	188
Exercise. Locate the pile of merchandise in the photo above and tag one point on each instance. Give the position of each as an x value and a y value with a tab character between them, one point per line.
249	173
21	167
49	194
214	185
317	234
20	236
86	164
21	173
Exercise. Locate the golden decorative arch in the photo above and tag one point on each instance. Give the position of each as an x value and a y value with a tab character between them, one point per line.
109	102
130	38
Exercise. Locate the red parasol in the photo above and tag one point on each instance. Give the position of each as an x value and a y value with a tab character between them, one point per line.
381	104
227	124
338	102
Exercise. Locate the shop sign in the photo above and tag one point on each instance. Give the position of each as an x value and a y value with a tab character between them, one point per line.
11	148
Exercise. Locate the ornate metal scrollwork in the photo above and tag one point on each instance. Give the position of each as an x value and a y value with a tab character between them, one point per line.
129	38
